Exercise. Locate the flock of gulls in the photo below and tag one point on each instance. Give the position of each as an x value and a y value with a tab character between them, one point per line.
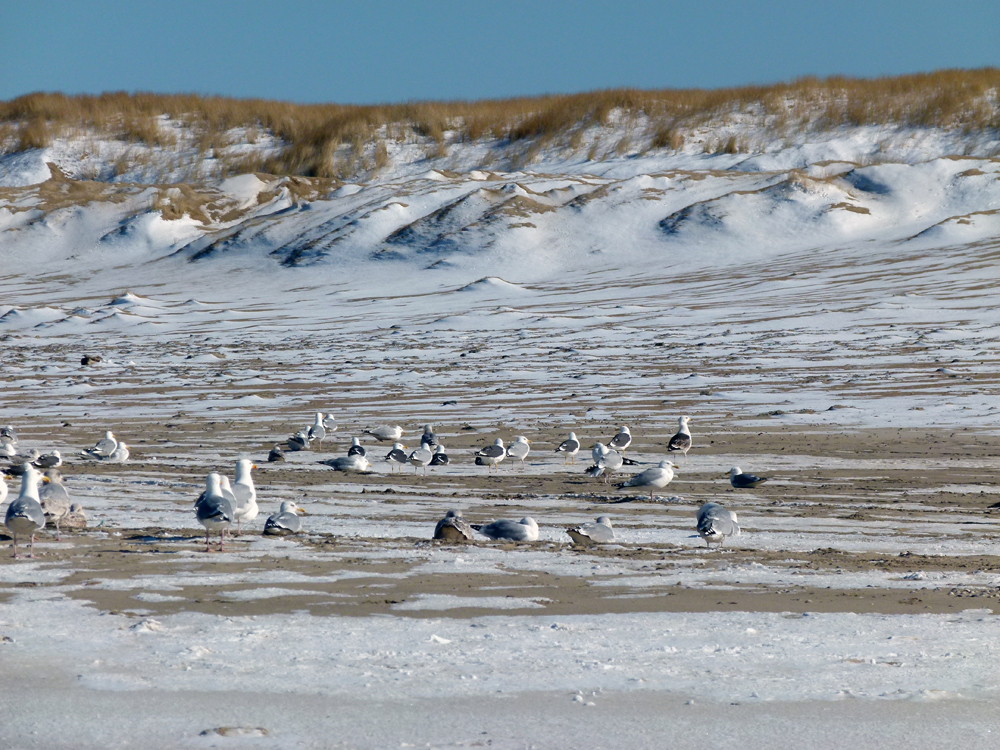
43	498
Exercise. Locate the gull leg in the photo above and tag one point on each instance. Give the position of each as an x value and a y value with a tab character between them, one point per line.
31	547
207	547
15	546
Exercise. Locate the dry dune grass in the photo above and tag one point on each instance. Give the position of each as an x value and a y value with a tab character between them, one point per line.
325	140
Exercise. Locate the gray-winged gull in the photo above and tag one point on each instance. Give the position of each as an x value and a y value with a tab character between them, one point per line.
285	521
519	448
715	523
606	466
440	458
299	441
570	446
54	499
213	510
593	532
682	440
357	463
48	461
8	435
429	437
421	457
245	507
622	440
396	456
119	455
330	423
24	513
655	478
276	454
742	481
525	530
492	454
385	433
453	528
317	430
103	448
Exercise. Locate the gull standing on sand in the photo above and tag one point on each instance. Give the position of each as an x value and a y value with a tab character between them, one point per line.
330	423
356	449
104	447
285	521
519	448
609	462
525	530
453	528
570	446
655	478
245	507
24	514
440	458
317	431
715	523
385	433
742	481
682	440
622	440
213	510
492	454
356	463
421	457
8	435
593	532
396	456
54	499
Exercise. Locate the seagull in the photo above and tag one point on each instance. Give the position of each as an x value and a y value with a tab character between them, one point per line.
299	441
48	461
598	532
453	528
8	450
440	458
519	448
715	523
330	423
54	499
622	440
245	507
525	530
356	449
492	454
24	514
421	457
655	478
76	518
396	456
429	437
276	454
21	461
570	446
682	440
285	521
385	433
3	489
742	481
8	435
104	447
356	463
317	431
119	455
214	510
610	462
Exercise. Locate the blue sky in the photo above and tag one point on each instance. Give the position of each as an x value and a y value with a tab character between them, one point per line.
365	52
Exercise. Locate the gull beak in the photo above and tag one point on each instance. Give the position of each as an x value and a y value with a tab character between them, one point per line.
46	480
253	466
301	512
